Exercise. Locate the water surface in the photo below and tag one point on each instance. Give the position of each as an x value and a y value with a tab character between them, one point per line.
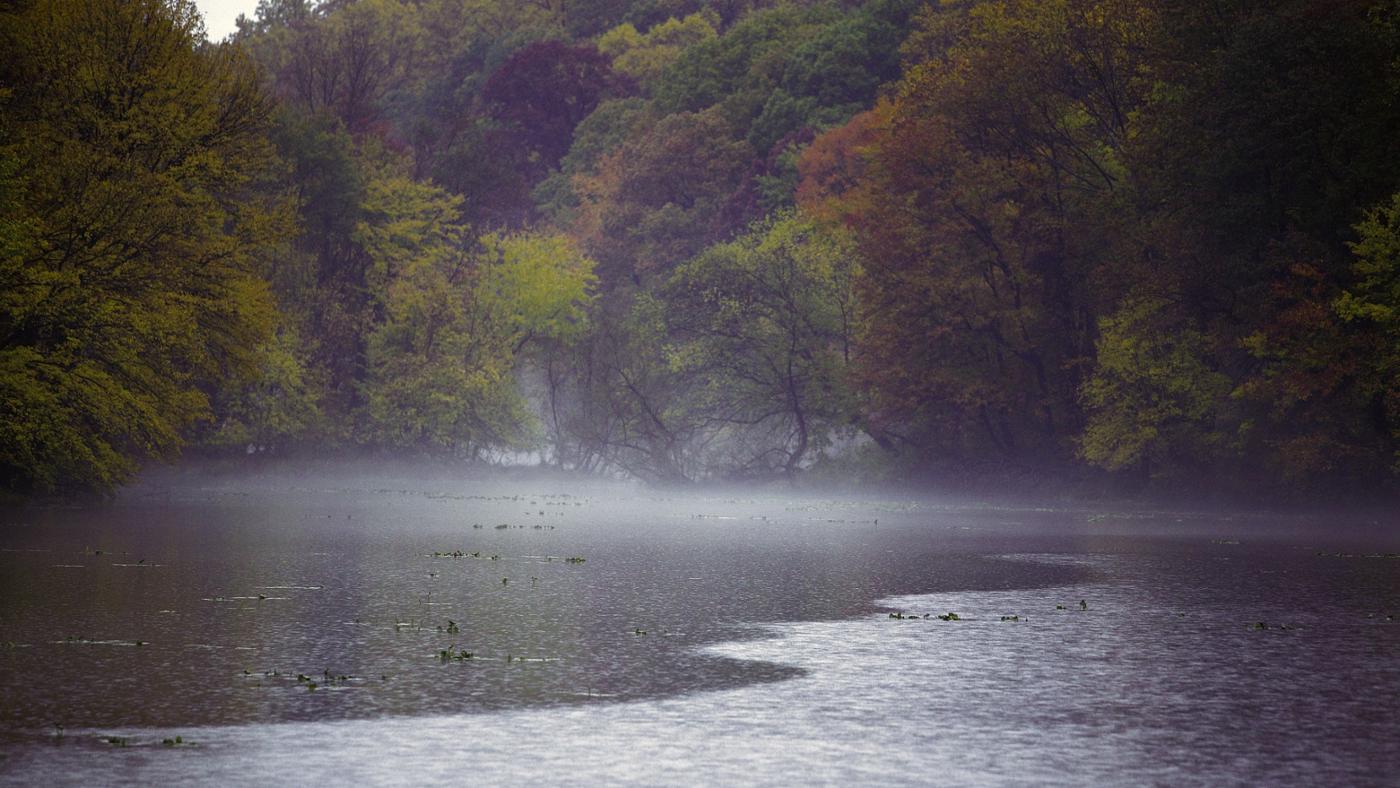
702	637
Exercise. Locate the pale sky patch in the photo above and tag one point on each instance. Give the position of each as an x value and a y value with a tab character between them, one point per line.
219	15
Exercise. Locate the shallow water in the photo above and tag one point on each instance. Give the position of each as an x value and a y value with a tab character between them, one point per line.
769	655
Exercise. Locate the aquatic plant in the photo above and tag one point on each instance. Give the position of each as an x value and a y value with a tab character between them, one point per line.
451	654
950	617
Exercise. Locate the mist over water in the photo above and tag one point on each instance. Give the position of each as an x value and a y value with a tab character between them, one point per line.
722	635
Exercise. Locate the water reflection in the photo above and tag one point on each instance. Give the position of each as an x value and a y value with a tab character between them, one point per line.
242	602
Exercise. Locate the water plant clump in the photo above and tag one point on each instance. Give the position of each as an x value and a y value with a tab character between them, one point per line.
450	628
575	559
452	654
950	617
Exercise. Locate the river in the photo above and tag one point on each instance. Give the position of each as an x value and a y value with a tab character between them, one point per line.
406	625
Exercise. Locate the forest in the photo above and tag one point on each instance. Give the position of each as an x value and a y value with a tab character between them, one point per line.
1146	245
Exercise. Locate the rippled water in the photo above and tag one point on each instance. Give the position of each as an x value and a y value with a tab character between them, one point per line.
769	653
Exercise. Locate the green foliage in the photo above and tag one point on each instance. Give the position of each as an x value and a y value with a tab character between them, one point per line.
739	68
1375	302
442	361
1152	397
1375	298
1027	233
767	321
134	227
644	56
279	408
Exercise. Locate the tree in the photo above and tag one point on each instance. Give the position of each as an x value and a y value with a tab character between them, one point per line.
625	404
644	56
541	93
987	197
456	321
136	170
1153	399
655	200
348	62
1374	301
767	323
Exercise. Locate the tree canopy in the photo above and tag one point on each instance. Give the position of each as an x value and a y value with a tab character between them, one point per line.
1150	243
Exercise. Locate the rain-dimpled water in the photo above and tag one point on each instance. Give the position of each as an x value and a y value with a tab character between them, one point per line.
415	626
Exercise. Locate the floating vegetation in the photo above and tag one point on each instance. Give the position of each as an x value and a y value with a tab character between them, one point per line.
1010	618
639	631
327	678
451	628
452	654
950	617
455	554
116	741
74	641
1224	541
1059	607
576	559
178	741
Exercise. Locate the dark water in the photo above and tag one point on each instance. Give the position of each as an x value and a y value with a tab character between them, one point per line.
243	595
